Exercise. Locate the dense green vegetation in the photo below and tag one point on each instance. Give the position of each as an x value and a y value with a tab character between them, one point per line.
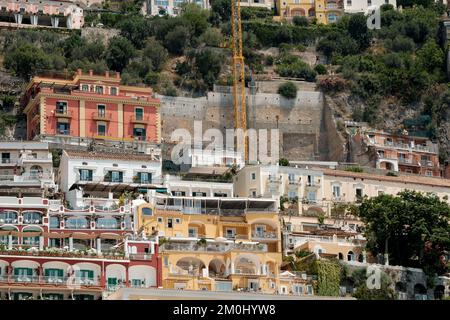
402	62
411	227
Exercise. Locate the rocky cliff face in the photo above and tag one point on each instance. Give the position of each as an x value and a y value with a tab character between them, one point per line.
12	123
390	115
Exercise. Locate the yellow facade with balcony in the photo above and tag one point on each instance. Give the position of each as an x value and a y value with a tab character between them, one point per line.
324	11
292	8
228	244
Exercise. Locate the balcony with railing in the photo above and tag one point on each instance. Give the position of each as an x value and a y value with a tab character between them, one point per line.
63	113
26	178
63	253
49	280
140	119
101	116
213	247
35	158
264	235
430	147
329	239
7	162
64	132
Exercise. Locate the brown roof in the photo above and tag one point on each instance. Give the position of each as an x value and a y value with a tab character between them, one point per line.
108	155
406	179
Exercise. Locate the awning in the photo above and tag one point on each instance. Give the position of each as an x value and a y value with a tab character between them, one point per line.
111	236
56	235
30	234
82	236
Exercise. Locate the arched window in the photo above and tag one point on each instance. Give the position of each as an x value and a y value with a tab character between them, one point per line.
341	256
32	217
36	172
8	216
54	222
350	256
77	223
30	236
107	223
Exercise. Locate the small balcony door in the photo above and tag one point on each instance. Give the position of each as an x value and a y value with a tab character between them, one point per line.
101	110
139	133
63	128
260	231
139	113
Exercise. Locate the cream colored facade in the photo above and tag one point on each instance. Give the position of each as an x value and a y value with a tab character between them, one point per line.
216	244
322	188
313	193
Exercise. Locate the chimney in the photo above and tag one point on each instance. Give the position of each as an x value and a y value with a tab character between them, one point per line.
79	72
117	75
107	74
91	73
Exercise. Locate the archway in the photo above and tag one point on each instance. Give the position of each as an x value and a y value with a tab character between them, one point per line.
216	268
340	256
30	236
32	217
190	265
420	292
247	264
36	172
360	257
4	235
350	256
439	292
298	12
142	276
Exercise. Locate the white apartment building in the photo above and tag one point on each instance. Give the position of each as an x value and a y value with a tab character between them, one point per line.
171	7
322	187
269	4
177	186
361	6
43	13
26	167
88	177
321	192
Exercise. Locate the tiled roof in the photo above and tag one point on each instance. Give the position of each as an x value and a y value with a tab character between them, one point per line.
407	179
109	155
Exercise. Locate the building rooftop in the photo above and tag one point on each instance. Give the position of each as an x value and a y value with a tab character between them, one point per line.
406	179
21	145
77	154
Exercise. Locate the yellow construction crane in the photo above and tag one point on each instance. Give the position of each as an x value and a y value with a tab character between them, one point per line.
240	109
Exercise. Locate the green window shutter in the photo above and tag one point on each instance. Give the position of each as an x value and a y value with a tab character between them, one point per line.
29	271
47	272
120	176
112	281
60	273
90	274
16	271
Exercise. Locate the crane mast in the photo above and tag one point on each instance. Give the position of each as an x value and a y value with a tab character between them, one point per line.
240	112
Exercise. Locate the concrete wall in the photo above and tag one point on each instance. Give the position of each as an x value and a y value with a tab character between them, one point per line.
299	120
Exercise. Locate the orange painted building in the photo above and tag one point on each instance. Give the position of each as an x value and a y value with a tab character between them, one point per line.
91	106
404	153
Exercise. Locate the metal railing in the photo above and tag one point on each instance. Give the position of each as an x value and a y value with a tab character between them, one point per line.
264	235
217	247
54	280
136	256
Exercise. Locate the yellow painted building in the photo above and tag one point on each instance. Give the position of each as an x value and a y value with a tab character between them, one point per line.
216	244
324	11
